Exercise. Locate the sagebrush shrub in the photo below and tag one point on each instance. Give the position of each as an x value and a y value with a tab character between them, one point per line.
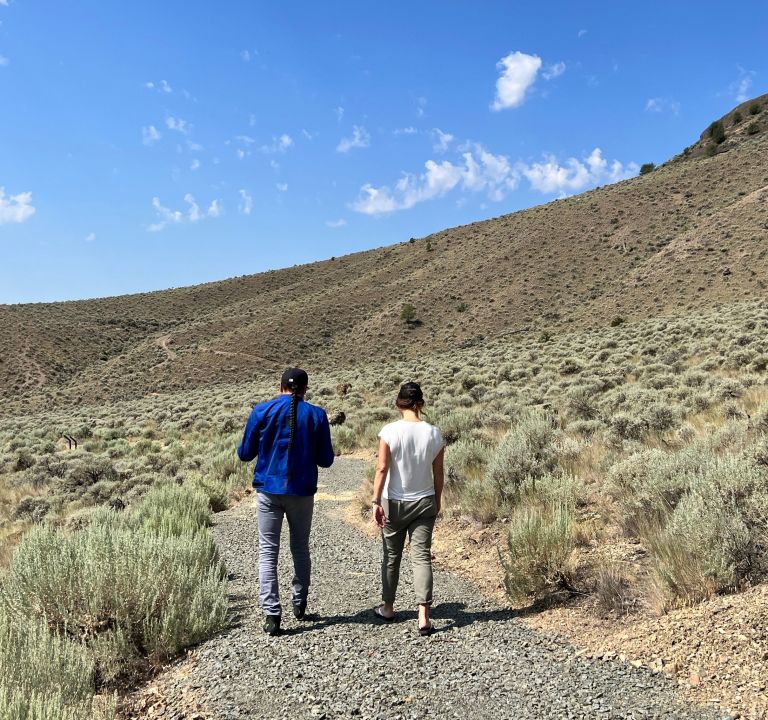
171	509
649	483
454	425
42	673
465	458
162	592
343	438
702	516
527	450
539	544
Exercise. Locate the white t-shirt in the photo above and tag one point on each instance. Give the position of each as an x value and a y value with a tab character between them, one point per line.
412	448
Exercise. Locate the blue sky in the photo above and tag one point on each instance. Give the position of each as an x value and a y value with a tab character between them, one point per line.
147	145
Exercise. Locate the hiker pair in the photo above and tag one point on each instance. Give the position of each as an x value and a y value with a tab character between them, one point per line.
291	438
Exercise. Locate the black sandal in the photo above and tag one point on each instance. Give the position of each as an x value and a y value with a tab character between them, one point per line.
377	612
427	630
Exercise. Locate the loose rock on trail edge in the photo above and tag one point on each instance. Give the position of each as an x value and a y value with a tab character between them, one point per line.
344	663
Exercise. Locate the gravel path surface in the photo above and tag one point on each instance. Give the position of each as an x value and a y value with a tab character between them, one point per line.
342	662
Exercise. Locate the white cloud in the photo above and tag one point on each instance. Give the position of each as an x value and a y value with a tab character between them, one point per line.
282	187
360	139
375	201
442	140
490	173
549	176
174	123
162	86
518	73
172	217
4	3
479	171
339	113
406	131
421	106
90	237
245	55
246	204
149	135
240	154
15	208
582	33
553	71
4	61
195	164
740	88
278	145
660	105
341	222
247	139
654	105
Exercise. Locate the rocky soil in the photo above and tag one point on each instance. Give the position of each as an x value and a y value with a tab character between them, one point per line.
483	662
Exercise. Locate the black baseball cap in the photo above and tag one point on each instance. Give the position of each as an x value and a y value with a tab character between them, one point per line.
294	378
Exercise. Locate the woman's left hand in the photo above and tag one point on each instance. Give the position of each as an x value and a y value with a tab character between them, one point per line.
378	516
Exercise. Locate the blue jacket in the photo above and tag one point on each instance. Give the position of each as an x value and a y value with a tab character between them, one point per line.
266	435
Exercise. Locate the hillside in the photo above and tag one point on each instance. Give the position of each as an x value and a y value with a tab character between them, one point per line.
692	233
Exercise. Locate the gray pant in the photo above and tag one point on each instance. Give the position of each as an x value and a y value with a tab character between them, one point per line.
298	510
416	519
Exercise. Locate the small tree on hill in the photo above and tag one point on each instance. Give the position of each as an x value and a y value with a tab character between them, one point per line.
408	313
717	132
645	168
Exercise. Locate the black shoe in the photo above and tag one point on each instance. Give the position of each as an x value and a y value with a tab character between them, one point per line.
300	610
272	625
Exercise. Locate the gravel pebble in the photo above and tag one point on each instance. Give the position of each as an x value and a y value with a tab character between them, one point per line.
343	663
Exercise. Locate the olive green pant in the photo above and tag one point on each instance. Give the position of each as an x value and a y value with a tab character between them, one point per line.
415	519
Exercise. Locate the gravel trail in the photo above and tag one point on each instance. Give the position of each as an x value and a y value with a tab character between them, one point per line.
343	663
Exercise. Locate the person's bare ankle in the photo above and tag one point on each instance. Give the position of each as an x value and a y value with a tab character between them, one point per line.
423	615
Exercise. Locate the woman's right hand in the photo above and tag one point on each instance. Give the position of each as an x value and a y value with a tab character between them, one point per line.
379	518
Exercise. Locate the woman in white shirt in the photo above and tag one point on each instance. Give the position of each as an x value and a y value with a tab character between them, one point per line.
407	491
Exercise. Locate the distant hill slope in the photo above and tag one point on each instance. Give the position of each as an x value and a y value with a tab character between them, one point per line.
691	233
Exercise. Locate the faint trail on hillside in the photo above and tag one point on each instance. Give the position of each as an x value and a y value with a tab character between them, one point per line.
164	342
482	663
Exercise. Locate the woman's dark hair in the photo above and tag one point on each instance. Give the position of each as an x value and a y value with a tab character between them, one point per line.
410	396
295	381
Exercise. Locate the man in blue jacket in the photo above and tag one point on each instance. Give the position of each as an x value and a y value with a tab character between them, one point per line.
291	438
